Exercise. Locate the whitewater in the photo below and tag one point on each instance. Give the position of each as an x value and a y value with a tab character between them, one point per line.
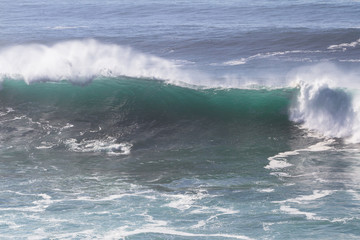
184	120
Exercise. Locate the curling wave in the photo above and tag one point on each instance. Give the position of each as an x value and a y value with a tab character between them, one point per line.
327	102
325	99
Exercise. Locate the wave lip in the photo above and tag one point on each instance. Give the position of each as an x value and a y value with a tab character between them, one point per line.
80	61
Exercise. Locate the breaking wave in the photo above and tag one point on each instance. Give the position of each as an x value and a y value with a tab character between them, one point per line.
323	98
327	102
80	61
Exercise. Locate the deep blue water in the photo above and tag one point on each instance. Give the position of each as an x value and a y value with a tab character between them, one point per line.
179	120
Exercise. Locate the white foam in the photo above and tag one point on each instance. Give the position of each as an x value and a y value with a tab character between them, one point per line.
320	146
277	164
343	220
8	110
161	227
284	155
66	27
236	62
350	60
113	197
216	211
266	190
200	224
80	61
295	211
266	226
313	216
123	233
279	161
184	201
108	145
45	145
37	206
242	61
344	46
328	101
324	109
317	194
67	126
280	174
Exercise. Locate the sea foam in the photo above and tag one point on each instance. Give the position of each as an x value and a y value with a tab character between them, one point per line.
108	145
327	102
80	61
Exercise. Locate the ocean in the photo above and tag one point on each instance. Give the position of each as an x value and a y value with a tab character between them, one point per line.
181	119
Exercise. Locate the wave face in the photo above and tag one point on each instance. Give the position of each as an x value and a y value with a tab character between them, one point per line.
115	115
150	100
140	87
121	111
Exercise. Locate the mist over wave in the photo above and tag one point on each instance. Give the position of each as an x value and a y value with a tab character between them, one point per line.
80	61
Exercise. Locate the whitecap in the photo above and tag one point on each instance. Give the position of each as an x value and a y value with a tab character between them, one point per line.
123	233
80	61
108	145
306	199
66	27
344	46
295	211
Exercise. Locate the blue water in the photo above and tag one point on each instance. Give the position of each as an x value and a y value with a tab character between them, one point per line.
179	120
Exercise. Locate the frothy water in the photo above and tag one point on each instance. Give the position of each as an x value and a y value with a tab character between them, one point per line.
327	102
81	62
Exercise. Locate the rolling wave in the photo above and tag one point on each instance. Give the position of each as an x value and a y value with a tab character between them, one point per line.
329	110
143	88
327	102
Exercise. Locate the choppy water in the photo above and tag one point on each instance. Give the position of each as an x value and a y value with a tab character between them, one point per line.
179	120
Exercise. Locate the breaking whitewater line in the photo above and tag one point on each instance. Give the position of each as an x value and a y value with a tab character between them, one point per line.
80	61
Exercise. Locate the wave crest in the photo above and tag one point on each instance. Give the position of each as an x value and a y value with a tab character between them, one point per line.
80	61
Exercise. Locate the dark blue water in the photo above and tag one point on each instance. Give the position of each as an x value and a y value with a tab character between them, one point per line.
179	120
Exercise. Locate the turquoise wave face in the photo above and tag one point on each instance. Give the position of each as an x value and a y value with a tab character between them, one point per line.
149	100
114	115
